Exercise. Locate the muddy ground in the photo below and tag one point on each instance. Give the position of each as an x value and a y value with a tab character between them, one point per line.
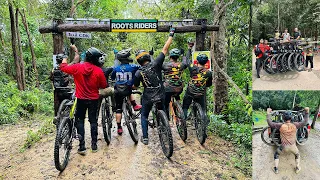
263	160
292	80
120	160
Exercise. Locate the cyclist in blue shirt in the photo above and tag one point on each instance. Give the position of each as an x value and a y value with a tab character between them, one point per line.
124	76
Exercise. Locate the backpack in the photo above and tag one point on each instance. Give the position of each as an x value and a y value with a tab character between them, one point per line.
257	51
59	78
151	82
198	83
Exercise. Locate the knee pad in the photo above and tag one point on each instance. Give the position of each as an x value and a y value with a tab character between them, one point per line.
119	111
276	155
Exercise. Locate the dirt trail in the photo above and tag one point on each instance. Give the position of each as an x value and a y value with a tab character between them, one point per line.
120	160
287	81
263	162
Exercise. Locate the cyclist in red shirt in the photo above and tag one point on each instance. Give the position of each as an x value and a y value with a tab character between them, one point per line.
259	51
88	78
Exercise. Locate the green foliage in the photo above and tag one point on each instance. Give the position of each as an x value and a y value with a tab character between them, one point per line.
15	104
238	134
33	137
284	99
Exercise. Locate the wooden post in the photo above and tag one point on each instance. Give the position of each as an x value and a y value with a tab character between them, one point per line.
200	36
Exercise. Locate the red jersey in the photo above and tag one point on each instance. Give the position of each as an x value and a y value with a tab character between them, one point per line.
88	79
263	49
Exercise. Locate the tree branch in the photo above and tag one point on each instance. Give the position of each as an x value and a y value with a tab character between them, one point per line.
222	9
230	80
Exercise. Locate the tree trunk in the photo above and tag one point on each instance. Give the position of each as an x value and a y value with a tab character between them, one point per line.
21	61
315	116
34	64
14	47
219	53
1	39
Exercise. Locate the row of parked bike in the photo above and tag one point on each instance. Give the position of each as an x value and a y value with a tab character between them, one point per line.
283	58
271	136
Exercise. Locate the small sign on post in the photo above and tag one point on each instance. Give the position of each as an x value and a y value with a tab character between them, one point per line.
134	25
196	53
78	35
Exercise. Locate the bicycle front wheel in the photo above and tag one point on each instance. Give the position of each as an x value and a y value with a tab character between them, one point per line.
180	120
165	134
62	145
266	136
106	122
130	122
200	123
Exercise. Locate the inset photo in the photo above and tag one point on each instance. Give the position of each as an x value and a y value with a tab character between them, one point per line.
285	55
286	135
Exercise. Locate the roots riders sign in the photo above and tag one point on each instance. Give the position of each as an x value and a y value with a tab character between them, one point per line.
134	25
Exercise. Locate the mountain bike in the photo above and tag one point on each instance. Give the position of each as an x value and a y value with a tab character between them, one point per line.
177	116
107	117
272	136
65	134
160	120
130	117
199	117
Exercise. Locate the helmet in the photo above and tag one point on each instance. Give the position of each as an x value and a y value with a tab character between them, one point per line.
142	56
202	59
95	56
124	56
174	53
287	115
59	58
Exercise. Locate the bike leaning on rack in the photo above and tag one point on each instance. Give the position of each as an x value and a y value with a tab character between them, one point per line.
65	134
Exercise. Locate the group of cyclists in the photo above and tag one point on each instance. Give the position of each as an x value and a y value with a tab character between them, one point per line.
262	49
161	81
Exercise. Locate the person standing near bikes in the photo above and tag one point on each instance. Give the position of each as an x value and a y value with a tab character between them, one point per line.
288	132
88	78
150	75
286	35
296	34
173	84
259	51
124	76
201	78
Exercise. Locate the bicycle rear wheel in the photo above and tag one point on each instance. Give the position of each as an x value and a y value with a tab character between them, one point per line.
165	134
62	145
63	111
279	65
284	61
299	62
291	58
106	122
200	123
266	136
180	120
273	64
302	135
130	122
266	66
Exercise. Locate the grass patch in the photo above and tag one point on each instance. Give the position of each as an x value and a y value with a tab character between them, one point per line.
241	136
34	137
259	118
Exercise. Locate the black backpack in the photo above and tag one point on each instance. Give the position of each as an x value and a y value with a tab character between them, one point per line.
151	82
59	78
257	51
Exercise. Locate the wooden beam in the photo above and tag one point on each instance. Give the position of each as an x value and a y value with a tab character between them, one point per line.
106	28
